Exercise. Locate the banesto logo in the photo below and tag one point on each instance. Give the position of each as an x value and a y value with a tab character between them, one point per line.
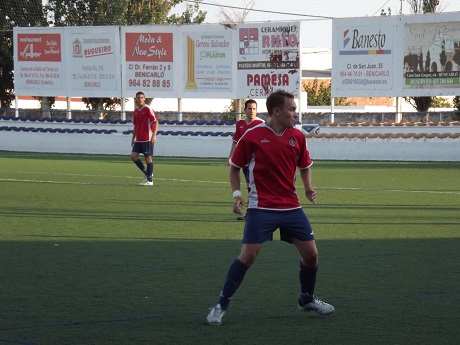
373	41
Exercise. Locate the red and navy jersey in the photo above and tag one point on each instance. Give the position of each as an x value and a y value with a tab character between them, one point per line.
143	119
273	160
242	127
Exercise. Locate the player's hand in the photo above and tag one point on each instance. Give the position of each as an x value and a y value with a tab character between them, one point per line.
311	195
238	205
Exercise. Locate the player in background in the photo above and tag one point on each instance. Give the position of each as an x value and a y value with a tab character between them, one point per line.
251	120
144	137
274	151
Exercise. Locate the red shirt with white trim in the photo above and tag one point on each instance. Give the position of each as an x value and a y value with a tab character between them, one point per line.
273	160
242	127
143	119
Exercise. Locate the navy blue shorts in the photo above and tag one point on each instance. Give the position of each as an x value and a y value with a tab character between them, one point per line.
145	147
261	224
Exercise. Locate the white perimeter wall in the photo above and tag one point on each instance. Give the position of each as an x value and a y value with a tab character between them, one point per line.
390	149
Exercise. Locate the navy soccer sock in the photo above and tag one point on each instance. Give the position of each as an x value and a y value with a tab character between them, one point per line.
307	277
149	172
140	165
235	276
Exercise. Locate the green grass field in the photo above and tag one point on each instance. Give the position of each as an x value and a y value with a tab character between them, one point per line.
89	257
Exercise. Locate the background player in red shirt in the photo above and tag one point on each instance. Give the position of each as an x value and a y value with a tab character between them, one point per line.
274	151
251	120
144	136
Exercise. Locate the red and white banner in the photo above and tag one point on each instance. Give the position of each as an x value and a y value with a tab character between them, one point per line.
148	57
38	62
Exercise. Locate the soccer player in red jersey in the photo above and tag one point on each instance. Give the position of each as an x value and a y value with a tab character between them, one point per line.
274	151
144	136
251	120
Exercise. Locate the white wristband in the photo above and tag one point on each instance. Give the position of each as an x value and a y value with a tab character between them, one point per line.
236	194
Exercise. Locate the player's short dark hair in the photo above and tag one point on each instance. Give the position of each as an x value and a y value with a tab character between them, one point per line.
249	101
139	93
276	100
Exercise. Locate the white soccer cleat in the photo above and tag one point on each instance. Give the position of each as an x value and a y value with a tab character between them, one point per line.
143	180
146	183
215	315
317	305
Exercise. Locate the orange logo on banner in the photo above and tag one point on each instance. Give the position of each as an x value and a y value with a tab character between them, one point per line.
39	47
152	47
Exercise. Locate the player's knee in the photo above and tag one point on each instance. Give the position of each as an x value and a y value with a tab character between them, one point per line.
310	257
247	259
310	260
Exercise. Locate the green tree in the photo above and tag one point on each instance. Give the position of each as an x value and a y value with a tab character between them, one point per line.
14	13
119	12
456	103
441	102
422	104
429	6
191	15
319	94
383	13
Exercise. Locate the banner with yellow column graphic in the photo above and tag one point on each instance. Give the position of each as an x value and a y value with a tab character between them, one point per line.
208	63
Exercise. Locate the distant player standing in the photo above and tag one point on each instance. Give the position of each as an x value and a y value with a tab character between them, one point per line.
251	120
274	151
144	136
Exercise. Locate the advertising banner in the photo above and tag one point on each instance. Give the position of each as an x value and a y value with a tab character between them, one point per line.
93	61
148	60
268	59
38	62
208	62
363	57
405	56
431	55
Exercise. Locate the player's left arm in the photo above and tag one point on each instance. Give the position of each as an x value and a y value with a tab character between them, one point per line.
154	128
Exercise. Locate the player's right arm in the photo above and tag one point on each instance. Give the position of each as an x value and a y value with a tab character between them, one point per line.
232	149
238	201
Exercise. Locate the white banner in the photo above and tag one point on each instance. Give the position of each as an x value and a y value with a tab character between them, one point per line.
38	62
207	62
363	56
93	61
268	59
406	56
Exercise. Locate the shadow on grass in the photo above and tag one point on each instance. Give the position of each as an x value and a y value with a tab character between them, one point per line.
69	291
